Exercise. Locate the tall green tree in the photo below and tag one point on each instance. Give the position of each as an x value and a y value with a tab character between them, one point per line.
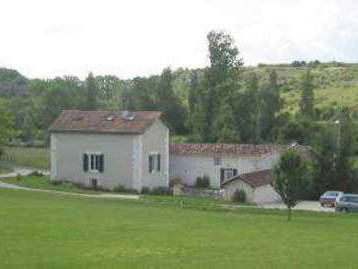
174	113
220	80
193	91
141	94
193	98
110	91
5	124
333	148
269	103
227	131
289	179
307	95
247	110
91	92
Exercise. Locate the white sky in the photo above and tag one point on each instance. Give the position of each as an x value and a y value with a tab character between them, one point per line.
48	38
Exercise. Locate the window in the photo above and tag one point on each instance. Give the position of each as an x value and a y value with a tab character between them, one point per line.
226	173
217	161
229	173
154	162
351	199
93	162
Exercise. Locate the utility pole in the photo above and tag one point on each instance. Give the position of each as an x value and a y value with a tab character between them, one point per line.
338	122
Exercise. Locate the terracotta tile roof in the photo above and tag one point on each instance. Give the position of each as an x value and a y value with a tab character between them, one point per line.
248	150
254	179
104	122
223	149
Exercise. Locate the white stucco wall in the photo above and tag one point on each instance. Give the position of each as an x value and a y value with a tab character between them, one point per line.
125	158
259	195
232	187
189	167
155	140
67	151
266	194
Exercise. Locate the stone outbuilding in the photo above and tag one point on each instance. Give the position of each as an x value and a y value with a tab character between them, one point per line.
256	185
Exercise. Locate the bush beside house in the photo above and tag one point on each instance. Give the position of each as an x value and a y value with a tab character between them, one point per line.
203	182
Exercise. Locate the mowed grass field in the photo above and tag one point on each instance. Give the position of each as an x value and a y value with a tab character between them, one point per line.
41	230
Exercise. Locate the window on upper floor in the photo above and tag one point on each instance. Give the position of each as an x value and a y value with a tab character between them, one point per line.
226	173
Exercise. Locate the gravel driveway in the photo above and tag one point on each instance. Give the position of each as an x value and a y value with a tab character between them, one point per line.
23	172
26	171
304	205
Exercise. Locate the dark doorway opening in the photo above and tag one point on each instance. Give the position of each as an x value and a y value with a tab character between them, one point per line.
94	183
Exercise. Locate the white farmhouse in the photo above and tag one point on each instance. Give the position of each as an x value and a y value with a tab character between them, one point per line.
110	149
220	162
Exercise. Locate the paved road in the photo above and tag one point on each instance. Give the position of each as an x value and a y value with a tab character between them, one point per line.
304	205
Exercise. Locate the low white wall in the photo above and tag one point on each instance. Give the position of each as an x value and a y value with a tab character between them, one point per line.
235	185
266	194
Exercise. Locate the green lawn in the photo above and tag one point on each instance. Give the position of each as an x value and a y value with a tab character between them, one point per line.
29	157
40	230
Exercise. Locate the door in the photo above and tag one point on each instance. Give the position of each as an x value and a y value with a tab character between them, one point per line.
94	183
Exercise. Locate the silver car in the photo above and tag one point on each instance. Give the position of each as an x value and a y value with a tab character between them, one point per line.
330	198
347	203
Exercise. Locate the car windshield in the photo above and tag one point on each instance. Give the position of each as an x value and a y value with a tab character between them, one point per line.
331	193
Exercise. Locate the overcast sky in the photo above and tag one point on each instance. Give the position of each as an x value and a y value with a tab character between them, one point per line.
127	38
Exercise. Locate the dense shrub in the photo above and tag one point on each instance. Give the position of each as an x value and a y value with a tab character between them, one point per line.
203	182
175	180
239	196
160	191
36	174
145	190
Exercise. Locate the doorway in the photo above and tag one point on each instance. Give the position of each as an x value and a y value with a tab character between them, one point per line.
94	183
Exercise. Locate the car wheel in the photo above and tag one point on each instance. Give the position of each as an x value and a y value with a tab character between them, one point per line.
344	210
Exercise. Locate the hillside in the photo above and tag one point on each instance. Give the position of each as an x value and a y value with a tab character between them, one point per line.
336	83
12	83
